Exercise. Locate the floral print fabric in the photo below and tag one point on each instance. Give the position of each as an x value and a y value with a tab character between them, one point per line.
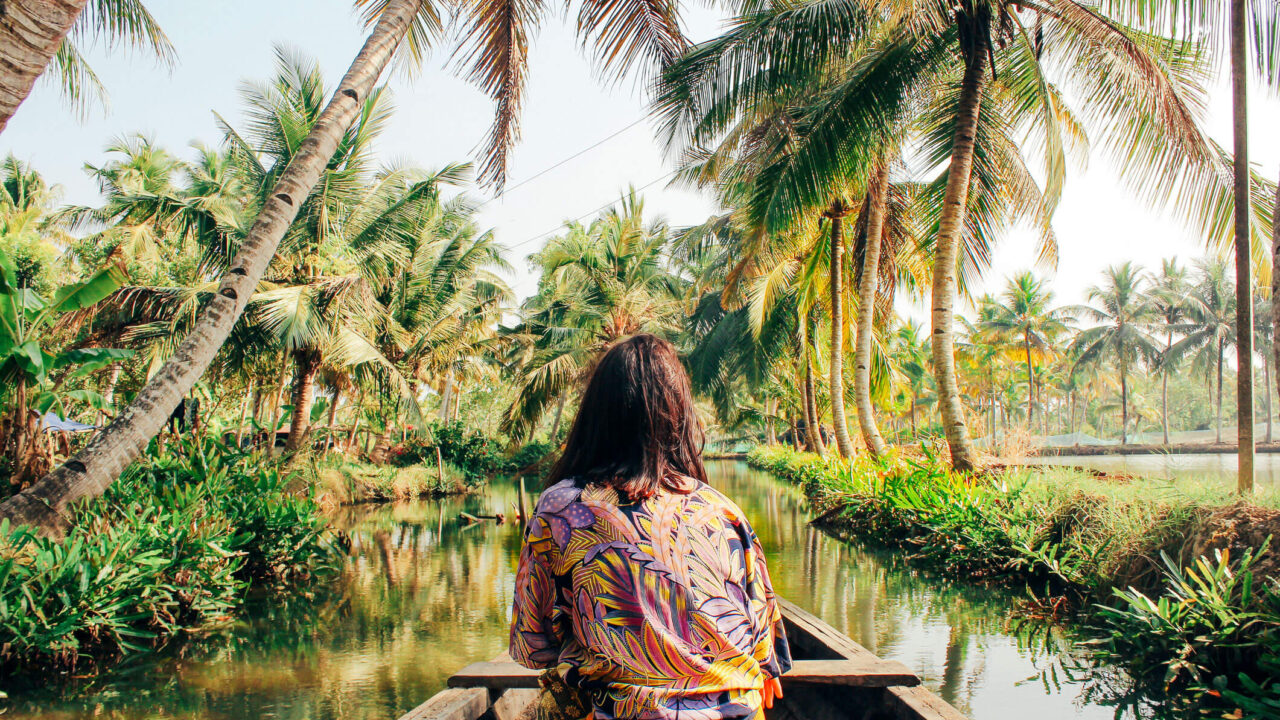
657	609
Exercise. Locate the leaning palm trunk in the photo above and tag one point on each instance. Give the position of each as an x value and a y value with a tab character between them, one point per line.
307	364
89	472
947	249
866	312
31	31
843	443
1244	267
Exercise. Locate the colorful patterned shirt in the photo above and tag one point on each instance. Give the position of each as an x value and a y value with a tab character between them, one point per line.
658	609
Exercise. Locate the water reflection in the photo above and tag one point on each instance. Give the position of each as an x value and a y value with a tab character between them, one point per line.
424	594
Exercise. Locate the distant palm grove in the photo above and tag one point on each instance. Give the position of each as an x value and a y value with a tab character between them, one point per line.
282	279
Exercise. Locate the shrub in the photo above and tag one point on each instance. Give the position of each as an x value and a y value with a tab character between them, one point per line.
1204	630
172	547
471	451
1206	634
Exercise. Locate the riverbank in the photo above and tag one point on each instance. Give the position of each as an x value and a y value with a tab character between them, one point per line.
1204	621
171	551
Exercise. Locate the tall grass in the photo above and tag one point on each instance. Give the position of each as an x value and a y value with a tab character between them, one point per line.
1202	631
170	550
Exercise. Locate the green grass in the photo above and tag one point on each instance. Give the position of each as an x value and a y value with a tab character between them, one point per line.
339	480
1116	553
171	550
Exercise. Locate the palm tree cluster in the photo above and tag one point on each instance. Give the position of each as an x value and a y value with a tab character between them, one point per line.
858	148
380	283
1104	368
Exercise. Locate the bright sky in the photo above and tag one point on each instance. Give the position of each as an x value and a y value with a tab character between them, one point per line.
441	118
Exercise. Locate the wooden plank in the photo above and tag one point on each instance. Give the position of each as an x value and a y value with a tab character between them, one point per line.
495	675
820	635
455	704
858	672
916	703
513	704
849	673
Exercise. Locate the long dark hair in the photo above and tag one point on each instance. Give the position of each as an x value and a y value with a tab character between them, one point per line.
636	428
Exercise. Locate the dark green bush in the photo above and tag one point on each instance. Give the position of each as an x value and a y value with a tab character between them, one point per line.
1213	633
477	455
171	548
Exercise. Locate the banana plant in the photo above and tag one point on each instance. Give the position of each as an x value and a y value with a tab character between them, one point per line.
34	375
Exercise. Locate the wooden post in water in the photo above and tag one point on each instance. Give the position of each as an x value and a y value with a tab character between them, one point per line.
523	515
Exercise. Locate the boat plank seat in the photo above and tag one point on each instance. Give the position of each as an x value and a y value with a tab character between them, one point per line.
857	672
832	678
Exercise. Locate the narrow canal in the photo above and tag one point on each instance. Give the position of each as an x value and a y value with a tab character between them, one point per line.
422	595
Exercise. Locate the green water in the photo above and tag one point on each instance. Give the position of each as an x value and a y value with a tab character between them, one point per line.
423	594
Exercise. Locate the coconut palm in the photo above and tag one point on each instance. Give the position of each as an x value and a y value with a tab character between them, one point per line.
1149	116
1209	326
1168	296
36	35
600	283
1125	314
1264	334
627	35
1244	33
1028	317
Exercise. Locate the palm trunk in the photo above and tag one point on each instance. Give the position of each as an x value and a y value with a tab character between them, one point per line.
447	396
277	405
1124	403
1244	268
31	31
355	423
109	394
770	429
306	366
333	416
1218	411
1031	384
1275	302
878	191
947	247
1164	387
555	424
813	428
89	472
836	285
244	416
1266	369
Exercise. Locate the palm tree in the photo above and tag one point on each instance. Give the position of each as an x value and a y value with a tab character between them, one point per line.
600	283
1027	316
37	33
1209	327
1265	332
96	466
1120	76
1168	296
1125	314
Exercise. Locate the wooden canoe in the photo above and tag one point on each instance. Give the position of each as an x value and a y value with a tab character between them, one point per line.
832	678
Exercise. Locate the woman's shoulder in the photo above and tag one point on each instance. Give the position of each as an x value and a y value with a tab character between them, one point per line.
713	496
558	496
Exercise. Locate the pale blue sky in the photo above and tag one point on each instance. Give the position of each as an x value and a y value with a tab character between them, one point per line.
441	118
